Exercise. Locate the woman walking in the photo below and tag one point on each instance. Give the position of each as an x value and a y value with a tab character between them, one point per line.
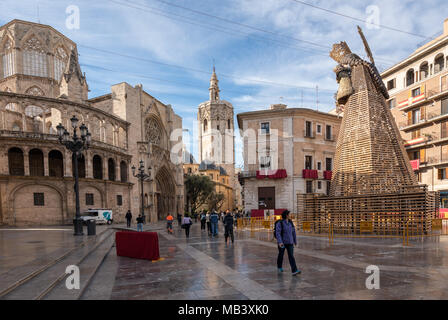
285	232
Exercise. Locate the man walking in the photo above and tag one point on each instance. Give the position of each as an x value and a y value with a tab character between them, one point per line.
186	224
128	218
228	226
214	223
285	233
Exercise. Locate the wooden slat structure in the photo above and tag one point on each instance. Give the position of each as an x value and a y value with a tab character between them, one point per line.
373	187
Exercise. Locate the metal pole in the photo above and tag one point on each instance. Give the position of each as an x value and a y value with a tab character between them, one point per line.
77	222
143	201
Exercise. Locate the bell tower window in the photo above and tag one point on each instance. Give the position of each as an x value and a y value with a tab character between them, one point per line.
34	58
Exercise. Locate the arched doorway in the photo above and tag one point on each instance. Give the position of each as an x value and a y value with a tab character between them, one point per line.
165	194
56	163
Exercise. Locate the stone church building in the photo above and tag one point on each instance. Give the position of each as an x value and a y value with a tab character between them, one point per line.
41	85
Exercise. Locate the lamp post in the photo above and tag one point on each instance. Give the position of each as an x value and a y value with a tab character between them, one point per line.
142	176
76	144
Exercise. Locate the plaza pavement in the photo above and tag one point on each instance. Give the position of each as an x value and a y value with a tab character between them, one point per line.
206	268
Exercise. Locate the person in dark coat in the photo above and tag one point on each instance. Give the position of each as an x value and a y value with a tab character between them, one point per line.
139	223
179	219
214	219
228	226
285	233
203	218
128	218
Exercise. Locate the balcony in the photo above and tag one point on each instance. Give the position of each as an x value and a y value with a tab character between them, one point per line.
310	174
328	174
247	174
429	93
271	174
430	119
309	134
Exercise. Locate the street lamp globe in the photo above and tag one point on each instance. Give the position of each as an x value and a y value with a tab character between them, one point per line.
60	130
74	121
83	130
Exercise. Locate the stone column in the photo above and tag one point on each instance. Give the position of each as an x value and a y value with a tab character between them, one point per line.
46	170
26	162
67	163
89	164
105	171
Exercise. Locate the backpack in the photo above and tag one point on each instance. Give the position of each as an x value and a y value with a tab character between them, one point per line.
281	227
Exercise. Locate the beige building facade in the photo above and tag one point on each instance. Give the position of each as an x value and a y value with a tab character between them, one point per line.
287	151
41	85
418	89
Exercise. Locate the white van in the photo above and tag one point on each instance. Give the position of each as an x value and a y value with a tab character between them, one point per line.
99	215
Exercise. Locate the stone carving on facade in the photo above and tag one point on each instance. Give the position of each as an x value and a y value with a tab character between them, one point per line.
153	132
35	91
204	113
33	44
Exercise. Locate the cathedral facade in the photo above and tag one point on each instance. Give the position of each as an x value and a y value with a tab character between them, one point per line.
41	85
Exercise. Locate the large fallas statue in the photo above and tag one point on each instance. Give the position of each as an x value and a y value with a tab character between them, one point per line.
370	156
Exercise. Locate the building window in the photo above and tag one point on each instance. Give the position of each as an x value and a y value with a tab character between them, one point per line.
392	103
423	70
39	199
211	176
265	162
111	169
308	162
36	159
328	164
438	63
34	58
15	162
217	127
8	59
309	186
205	125
265	128
189	170
308	129
409	77
97	167
319	185
416	116
328	188
416	92
319	165
444	106
119	200
60	59
89	199
123	171
55	164
391	84
328	134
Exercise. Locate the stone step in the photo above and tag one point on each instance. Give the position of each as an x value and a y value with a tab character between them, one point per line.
87	270
37	283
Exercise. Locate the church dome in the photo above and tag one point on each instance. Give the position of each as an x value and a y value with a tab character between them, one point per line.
207	165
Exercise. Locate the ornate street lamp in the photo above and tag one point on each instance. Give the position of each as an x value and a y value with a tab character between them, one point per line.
76	144
142	176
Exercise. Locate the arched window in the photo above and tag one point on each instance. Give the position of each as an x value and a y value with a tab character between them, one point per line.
8	59
34	58
56	164
34	117
16	126
81	167
424	70
15	162
438	63
12	107
111	169
60	60
124	171
409	77
205	125
36	159
97	167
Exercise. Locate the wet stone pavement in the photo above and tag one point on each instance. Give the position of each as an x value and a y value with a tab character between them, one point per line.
206	268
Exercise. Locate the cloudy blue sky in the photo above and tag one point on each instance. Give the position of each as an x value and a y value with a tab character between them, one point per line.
265	51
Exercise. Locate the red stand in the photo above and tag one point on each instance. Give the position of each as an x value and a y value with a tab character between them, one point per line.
139	245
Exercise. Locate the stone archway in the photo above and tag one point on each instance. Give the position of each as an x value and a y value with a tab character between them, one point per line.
165	194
